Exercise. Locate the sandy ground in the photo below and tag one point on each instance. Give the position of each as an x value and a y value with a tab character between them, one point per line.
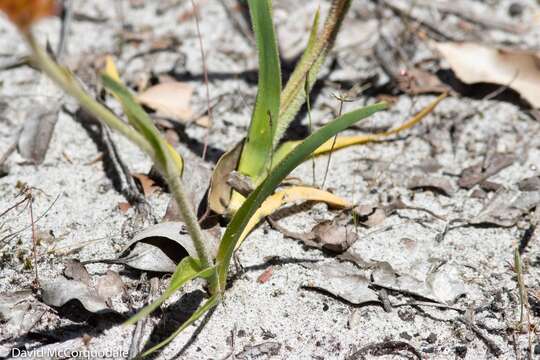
281	314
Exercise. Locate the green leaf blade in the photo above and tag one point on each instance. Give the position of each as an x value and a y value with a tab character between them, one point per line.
186	270
294	158
207	306
259	143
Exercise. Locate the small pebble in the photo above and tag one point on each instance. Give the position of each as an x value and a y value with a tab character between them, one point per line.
515	9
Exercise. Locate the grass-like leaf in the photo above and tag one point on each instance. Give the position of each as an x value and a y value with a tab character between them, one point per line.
299	154
186	270
209	304
258	146
165	154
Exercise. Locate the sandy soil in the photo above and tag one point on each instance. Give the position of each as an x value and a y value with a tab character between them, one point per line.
282	316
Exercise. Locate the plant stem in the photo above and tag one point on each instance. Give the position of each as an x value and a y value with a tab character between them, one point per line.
192	225
69	84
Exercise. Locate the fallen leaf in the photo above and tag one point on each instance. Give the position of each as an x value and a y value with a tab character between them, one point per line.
37	132
507	207
327	235
288	196
170	99
124	206
60	291
148	185
416	81
475	63
265	350
437	183
76	271
219	193
369	215
342	280
109	285
161	247
478	173
441	285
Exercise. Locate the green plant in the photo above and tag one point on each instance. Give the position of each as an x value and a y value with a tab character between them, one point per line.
273	112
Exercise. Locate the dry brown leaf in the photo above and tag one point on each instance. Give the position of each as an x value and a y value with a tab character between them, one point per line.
37	132
474	63
76	271
148	185
171	99
219	194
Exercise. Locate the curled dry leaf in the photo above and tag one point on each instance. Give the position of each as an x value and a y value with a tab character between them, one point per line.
479	173
37	132
147	184
437	183
170	99
220	192
344	281
74	270
109	285
60	291
507	207
327	235
475	63
441	285
161	247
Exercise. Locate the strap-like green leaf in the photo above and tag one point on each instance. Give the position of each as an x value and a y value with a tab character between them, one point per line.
209	304
188	269
259	143
140	120
276	176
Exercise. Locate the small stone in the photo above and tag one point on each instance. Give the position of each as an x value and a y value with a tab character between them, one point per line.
537	349
515	9
432	338
405	335
406	314
461	351
325	307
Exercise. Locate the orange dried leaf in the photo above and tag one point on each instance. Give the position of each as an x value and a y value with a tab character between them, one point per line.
24	13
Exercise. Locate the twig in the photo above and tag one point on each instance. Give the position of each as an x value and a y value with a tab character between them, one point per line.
7	237
138	332
67	17
34	239
384	348
205	72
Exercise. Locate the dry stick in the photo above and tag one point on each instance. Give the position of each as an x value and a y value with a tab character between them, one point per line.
34	240
310	123
12	207
67	17
341	100
205	72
